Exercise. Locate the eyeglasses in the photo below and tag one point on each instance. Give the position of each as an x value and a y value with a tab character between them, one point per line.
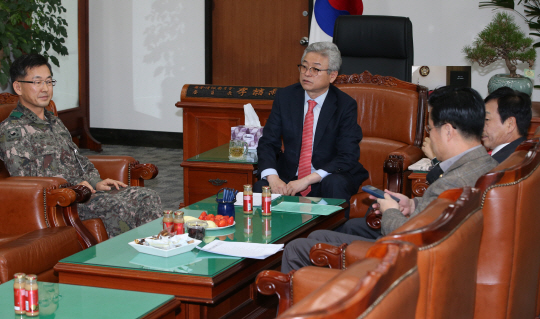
40	82
428	129
312	71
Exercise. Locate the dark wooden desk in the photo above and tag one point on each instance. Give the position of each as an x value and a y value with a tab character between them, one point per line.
206	173
209	112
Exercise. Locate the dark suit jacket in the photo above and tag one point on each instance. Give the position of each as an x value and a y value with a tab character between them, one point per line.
335	147
504	152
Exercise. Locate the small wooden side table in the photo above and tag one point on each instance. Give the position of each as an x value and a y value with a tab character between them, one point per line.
205	174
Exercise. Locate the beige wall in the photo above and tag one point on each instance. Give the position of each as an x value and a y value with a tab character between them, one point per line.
143	51
141	54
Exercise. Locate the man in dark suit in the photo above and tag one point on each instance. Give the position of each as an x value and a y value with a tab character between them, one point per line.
456	123
317	124
508	116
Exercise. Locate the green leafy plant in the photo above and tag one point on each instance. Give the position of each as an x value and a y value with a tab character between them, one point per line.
531	10
30	26
502	39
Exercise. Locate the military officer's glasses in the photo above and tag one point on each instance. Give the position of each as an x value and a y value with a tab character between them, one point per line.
312	71
39	83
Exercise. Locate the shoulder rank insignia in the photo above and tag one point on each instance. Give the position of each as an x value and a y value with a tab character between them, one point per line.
16	114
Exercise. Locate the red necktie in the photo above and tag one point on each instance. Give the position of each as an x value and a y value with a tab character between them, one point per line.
304	168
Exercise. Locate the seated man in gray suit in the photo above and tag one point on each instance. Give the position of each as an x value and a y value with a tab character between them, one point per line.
508	116
456	124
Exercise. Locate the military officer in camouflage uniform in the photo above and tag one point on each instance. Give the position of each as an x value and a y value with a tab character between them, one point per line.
34	142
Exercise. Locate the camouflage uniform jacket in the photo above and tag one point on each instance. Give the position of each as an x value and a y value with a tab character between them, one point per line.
30	146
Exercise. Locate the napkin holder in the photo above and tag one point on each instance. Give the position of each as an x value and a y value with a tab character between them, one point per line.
251	131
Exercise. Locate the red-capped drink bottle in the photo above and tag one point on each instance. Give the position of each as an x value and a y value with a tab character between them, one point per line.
32	298
178	222
167	219
248	199
266	201
19	293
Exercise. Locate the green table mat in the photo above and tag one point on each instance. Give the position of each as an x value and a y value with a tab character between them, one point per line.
304	208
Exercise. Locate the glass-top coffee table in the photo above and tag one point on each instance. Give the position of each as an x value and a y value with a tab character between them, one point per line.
208	285
61	301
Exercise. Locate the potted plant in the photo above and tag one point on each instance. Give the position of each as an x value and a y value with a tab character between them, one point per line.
502	39
531	10
30	26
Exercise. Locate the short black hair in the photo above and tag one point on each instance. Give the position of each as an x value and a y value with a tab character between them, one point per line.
461	107
512	103
20	66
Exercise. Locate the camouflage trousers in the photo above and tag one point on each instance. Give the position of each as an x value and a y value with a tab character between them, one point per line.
122	210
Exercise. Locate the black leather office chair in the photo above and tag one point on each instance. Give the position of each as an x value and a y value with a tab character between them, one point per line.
382	45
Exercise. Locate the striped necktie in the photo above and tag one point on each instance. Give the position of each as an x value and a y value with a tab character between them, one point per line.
304	167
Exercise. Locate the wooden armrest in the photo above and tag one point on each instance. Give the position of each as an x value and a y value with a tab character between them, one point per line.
141	172
271	282
71	217
82	192
61	197
410	155
373	220
323	255
86	237
395	165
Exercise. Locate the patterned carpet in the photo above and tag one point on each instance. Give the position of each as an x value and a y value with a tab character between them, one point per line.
169	182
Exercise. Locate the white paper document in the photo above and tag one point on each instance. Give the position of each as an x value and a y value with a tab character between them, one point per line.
245	250
257	199
422	165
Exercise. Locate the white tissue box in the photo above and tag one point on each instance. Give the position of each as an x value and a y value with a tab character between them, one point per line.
250	134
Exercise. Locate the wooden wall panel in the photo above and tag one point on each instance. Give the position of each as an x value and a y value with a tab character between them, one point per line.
257	42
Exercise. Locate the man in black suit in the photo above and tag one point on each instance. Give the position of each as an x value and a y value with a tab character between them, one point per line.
320	139
508	116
